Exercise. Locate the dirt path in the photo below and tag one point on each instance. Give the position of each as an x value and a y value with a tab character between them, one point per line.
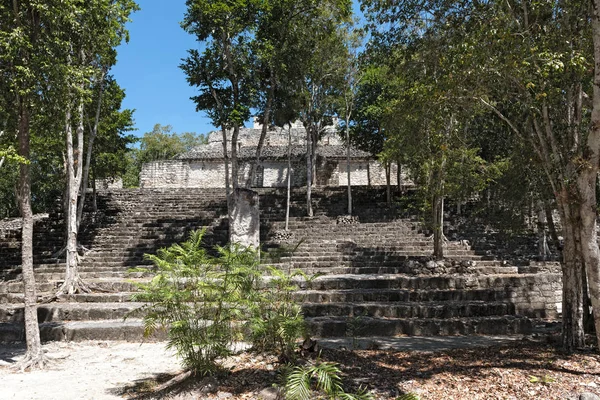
88	370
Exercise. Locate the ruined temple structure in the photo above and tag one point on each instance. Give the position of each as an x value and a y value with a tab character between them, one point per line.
377	274
204	166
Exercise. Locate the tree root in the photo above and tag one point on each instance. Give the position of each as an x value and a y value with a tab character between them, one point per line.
444	238
78	287
177	379
32	362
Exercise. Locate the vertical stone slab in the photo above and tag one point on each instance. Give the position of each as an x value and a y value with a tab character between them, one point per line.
244	218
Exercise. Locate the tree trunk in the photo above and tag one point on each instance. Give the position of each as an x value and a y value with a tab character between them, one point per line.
388	185
73	283
438	210
543	250
309	170
226	160
438	226
551	226
34	357
572	270
88	157
348	165
587	184
399	177
289	179
263	132
589	237
234	159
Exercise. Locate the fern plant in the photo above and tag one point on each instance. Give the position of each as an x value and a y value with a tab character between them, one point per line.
278	321
319	381
207	303
201	300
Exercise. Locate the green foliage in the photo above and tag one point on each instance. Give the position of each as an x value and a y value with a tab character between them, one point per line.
319	381
277	320
207	303
159	144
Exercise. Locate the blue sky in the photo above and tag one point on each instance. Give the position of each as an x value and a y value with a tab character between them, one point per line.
147	68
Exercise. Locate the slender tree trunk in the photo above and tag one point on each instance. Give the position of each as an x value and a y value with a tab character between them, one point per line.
587	181
289	178
551	225
388	184
73	283
348	164
399	177
226	160
572	277
88	157
34	357
438	226
234	157
263	132
438	211
309	170
94	195
543	250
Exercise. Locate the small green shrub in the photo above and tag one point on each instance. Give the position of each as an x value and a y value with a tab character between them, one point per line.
319	381
278	322
207	303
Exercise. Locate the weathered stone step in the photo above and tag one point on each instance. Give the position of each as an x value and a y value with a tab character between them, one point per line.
367	326
354	281
402	295
358	268
86	275
440	310
61	312
131	330
104	284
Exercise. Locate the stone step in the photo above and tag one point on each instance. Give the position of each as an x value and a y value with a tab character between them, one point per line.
436	310
104	284
343	268
131	330
368	326
61	312
423	282
402	295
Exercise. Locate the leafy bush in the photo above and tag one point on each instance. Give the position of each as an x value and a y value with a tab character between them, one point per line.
278	320
207	303
319	381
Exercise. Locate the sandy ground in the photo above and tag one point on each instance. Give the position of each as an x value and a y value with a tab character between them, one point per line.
85	370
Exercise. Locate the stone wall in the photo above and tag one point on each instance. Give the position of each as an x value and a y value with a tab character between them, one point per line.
368	173
109	183
211	174
206	174
164	174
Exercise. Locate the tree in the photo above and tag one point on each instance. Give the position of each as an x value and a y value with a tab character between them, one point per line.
321	80
92	30
346	102
223	70
160	144
530	63
23	31
375	93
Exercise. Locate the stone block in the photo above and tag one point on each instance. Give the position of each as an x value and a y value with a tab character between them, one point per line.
244	218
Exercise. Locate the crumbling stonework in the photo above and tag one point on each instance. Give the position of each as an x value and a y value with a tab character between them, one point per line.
204	166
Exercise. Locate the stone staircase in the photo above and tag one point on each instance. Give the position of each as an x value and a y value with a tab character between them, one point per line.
377	276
